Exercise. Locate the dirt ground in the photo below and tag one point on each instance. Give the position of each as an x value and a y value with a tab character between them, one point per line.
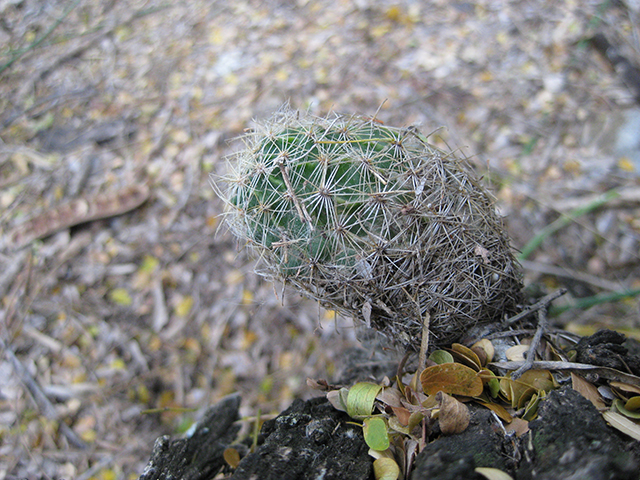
126	310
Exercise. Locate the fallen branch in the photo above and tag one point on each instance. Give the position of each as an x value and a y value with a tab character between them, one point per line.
604	372
79	211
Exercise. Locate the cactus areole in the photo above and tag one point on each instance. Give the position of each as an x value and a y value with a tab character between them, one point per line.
374	222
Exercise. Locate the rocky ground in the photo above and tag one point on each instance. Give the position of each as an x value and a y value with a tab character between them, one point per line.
126	310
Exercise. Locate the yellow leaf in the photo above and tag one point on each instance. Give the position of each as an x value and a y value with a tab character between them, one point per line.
621	407
247	297
633	404
466	356
149	264
394	13
498	410
108	474
184	306
120	296
386	469
625	164
118	364
89	435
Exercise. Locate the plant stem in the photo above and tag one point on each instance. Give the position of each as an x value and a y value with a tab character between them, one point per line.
40	39
565	220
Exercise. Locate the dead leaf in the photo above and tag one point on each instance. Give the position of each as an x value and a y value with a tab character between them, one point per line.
338	398
625	387
402	414
493	473
588	391
482	252
454	416
498	410
622	424
518	425
390	396
386	469
231	456
451	378
466	356
487	347
516	353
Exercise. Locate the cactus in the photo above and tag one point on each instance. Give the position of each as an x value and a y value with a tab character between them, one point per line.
374	222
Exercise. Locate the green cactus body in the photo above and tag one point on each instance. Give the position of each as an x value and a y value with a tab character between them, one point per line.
374	222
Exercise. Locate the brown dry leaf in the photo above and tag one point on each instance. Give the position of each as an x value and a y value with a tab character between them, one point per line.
514	392
466	356
454	416
390	396
482	252
519	391
623	424
516	353
538	379
231	456
487	347
518	425
625	387
587	390
403	415
498	410
451	378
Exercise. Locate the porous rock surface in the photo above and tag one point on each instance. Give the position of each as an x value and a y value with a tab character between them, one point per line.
311	440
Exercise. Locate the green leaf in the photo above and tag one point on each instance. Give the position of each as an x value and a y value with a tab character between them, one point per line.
386	469
620	406
531	408
375	433
361	398
441	356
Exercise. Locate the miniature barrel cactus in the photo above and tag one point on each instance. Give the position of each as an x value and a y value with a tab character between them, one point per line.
374	222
